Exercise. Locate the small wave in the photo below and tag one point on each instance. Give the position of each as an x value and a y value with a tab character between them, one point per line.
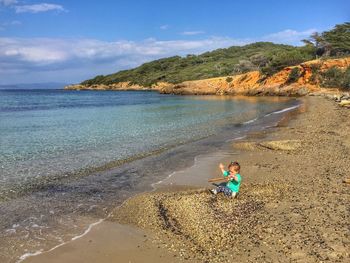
175	172
283	110
32	254
250	121
236	139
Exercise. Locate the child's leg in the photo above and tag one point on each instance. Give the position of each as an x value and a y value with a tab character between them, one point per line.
224	189
220	184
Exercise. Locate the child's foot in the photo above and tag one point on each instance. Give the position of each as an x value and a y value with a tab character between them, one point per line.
213	191
233	195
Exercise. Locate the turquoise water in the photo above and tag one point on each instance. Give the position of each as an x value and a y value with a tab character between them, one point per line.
68	157
55	132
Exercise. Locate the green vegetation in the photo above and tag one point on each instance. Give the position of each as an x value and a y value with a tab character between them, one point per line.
335	42
286	58
335	78
229	79
220	62
314	73
293	75
267	57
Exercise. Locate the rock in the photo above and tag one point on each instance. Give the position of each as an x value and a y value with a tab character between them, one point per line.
344	103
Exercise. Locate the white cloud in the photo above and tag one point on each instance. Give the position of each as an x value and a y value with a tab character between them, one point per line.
84	58
288	36
8	2
164	27
192	33
38	8
45	51
76	59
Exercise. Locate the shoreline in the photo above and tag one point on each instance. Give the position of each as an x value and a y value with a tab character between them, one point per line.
166	182
171	182
262	149
305	145
252	83
175	160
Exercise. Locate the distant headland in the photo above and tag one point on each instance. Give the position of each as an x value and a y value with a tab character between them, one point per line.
322	64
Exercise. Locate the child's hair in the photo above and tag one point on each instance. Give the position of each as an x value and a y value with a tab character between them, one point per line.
235	166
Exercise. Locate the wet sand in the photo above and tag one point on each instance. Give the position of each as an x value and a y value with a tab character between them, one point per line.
293	206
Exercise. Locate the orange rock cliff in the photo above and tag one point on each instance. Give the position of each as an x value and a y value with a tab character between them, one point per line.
251	83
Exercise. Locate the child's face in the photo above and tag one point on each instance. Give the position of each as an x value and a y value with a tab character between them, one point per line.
232	170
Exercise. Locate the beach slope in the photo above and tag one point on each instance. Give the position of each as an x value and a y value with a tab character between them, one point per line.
293	205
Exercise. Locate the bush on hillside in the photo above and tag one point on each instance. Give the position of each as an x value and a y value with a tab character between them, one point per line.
229	79
243	66
294	75
284	59
346	79
332	78
336	78
315	73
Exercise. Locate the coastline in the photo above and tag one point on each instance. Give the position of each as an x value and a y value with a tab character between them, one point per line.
252	83
276	215
72	220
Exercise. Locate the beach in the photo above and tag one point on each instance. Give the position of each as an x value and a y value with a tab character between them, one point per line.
292	207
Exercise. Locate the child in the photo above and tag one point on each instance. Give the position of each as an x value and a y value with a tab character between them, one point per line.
231	188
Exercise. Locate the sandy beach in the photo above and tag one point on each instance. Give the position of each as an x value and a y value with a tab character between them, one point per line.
293	205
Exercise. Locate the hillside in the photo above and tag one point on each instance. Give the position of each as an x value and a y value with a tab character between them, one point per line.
220	62
266	57
305	78
299	80
262	68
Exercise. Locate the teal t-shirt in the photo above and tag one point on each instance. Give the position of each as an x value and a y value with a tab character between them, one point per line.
233	184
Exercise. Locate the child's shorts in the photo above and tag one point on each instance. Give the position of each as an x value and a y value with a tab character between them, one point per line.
226	191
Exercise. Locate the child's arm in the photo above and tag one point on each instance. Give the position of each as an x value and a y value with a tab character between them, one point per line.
222	168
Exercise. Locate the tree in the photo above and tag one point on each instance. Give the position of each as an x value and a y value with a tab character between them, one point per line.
331	43
243	66
259	60
338	39
284	59
316	40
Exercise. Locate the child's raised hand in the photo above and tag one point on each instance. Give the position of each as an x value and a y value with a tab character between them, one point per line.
221	166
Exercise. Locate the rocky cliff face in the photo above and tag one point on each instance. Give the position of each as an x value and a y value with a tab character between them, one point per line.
114	86
251	83
121	86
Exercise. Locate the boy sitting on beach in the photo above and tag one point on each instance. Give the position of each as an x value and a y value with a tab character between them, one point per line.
231	188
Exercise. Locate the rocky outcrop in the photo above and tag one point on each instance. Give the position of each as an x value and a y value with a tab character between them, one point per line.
251	83
122	86
114	86
343	99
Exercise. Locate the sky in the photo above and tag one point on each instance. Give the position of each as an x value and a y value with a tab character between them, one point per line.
70	41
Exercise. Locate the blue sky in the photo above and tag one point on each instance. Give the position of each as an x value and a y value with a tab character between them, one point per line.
69	41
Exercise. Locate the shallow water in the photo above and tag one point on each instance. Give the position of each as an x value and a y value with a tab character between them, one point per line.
67	157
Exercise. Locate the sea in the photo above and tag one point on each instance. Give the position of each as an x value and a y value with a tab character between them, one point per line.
67	158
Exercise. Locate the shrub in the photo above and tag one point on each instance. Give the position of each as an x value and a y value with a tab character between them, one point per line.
332	78
243	66
336	78
284	59
229	79
315	73
294	75
346	79
259	60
